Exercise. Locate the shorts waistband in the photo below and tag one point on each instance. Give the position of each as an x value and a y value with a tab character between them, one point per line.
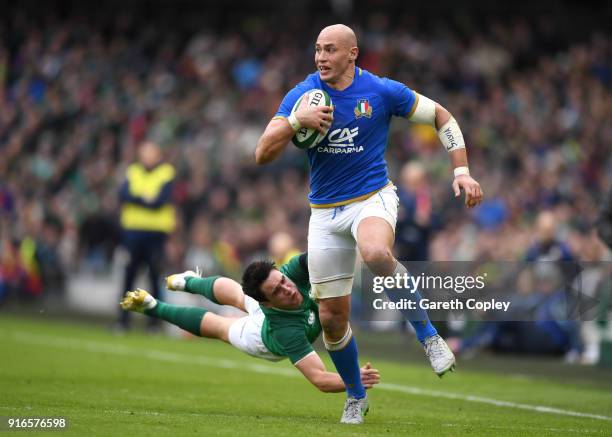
353	200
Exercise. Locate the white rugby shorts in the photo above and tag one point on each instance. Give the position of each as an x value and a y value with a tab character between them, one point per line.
332	236
245	333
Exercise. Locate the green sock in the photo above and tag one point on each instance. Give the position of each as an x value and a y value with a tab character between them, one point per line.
188	318
202	286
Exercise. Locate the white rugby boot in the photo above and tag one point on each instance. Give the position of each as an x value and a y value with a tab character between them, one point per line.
355	410
440	356
178	281
138	300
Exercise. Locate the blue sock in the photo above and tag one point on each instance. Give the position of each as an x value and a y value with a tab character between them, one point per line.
346	361
422	325
418	317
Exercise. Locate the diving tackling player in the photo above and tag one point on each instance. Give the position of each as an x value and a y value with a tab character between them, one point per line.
281	321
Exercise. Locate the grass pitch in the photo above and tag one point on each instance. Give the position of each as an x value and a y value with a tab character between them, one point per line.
152	385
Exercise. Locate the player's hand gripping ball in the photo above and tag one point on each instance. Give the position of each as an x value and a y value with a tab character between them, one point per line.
306	137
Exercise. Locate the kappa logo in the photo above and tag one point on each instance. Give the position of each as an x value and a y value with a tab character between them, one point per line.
341	141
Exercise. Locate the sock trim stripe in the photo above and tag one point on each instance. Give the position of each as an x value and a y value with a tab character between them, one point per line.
340	344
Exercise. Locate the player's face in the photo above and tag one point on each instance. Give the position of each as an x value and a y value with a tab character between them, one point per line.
280	291
332	58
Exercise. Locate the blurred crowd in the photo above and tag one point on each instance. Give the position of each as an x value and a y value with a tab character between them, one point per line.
80	92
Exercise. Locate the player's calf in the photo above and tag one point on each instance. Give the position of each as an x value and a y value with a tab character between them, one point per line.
187	318
334	316
217	289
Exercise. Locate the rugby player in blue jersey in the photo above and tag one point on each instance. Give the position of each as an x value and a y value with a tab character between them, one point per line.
354	204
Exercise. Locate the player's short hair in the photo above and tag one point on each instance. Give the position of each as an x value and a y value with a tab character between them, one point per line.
254	275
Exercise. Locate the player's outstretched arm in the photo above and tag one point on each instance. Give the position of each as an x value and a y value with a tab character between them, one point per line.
426	111
313	369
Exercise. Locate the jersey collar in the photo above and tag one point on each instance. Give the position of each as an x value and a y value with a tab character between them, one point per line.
330	90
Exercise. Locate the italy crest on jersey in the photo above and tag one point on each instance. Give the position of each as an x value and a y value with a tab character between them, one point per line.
363	109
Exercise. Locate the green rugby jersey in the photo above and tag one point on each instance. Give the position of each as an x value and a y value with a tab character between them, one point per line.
290	333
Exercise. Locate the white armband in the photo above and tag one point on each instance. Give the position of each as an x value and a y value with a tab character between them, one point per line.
294	122
450	135
424	111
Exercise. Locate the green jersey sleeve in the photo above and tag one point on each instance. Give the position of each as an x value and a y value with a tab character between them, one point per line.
293	341
297	270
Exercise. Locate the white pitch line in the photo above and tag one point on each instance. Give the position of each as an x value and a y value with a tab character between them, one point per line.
483	400
526	428
95	346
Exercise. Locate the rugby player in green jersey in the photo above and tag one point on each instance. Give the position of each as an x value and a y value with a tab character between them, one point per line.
282	320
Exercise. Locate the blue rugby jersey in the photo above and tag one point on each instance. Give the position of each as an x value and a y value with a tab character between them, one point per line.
349	162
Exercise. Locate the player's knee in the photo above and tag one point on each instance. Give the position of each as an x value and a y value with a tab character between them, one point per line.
378	258
334	321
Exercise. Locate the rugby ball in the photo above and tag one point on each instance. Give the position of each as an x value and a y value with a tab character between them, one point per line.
305	138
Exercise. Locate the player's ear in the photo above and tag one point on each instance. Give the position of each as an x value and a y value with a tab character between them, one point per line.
353	53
